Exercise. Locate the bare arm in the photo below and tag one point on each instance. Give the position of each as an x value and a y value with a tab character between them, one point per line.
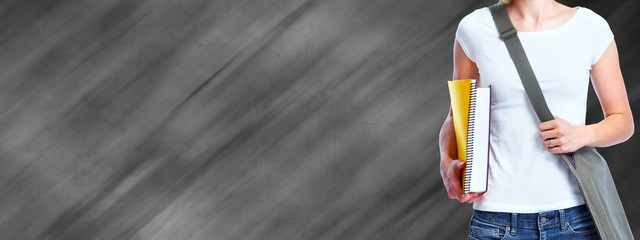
607	81
450	167
463	68
617	125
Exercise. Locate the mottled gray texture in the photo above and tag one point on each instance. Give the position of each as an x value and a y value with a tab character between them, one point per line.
284	119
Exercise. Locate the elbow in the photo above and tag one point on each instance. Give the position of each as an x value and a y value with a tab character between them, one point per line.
622	132
628	134
631	125
629	129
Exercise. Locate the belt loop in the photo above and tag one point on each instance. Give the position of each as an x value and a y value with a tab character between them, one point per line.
514	224
563	222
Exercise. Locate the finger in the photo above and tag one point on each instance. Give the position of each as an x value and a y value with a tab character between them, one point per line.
455	184
465	198
456	189
451	190
458	167
551	124
552	133
549	141
450	193
559	149
477	198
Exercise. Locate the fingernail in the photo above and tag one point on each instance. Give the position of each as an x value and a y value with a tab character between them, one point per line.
460	164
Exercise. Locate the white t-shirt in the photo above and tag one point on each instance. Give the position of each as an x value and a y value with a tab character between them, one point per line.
524	177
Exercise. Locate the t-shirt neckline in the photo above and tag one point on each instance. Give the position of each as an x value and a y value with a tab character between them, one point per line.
554	30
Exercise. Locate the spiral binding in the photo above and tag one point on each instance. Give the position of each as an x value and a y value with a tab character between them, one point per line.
470	131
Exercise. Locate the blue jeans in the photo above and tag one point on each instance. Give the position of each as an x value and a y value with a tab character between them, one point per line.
570	223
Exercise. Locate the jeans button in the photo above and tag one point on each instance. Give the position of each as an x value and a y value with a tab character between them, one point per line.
543	220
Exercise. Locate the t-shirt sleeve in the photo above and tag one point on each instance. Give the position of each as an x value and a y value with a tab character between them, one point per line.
600	37
464	36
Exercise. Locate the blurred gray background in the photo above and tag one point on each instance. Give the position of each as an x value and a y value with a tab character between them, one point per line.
242	119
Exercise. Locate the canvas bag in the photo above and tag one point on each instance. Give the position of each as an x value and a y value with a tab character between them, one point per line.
589	167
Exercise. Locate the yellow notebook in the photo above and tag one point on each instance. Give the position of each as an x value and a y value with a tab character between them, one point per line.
471	110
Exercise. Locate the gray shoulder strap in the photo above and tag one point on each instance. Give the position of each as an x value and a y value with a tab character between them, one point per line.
510	37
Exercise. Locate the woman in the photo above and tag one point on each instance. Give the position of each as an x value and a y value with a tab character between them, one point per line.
531	193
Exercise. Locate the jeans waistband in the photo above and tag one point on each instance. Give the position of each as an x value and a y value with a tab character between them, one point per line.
550	219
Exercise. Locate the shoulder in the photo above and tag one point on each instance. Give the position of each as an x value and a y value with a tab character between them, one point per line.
476	25
591	25
594	30
478	18
473	29
590	14
588	19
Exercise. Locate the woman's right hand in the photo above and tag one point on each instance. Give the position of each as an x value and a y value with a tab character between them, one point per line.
451	171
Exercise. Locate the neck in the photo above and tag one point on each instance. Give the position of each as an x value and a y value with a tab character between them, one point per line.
534	10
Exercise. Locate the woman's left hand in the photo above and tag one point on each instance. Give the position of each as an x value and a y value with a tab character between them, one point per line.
562	137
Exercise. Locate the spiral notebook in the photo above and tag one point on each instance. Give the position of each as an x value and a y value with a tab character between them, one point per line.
471	109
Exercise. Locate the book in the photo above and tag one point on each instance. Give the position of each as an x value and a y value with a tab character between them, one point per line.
471	111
